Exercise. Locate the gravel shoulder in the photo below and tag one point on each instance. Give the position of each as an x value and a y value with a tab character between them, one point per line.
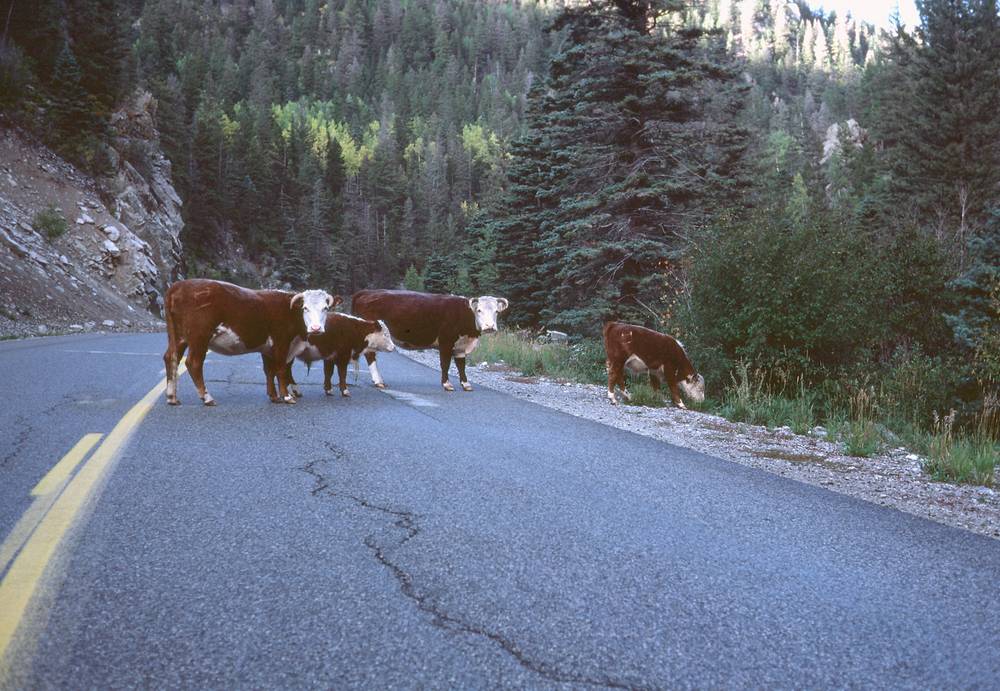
893	478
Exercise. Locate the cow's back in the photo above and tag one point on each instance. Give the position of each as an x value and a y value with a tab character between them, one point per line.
655	349
416	319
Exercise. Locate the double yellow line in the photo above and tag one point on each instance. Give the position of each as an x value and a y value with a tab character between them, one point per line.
61	499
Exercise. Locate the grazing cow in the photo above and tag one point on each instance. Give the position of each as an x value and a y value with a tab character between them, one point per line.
346	338
418	321
205	315
644	350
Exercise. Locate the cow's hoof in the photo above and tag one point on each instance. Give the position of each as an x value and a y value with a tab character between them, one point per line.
290	399
612	400
209	400
381	385
328	392
626	395
466	386
680	404
345	393
447	386
173	401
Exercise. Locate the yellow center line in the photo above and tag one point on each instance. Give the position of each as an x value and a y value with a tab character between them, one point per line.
64	468
45	493
23	580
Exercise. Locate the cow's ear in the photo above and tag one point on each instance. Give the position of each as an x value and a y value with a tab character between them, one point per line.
472	303
333	300
502	304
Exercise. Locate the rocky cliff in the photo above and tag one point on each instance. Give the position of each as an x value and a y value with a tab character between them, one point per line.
79	252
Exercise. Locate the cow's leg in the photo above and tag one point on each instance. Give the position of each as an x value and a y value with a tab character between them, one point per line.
445	353
675	393
616	377
327	377
293	385
342	364
373	369
171	363
195	364
460	364
269	376
283	369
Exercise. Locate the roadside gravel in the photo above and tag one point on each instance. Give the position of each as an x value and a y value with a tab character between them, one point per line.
893	478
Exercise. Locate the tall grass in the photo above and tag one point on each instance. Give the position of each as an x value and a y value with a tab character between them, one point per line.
582	362
750	398
971	459
862	437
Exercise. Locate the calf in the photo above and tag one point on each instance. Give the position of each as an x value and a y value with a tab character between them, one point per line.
346	338
644	350
205	315
419	321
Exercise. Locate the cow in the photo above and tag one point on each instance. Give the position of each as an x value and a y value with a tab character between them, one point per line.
418	321
345	339
205	315
643	350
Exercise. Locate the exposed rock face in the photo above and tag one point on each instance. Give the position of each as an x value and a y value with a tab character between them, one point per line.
145	202
854	134
119	246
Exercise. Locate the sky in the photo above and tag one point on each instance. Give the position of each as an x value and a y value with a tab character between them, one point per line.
875	11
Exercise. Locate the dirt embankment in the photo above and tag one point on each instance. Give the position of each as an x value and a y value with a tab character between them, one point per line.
77	252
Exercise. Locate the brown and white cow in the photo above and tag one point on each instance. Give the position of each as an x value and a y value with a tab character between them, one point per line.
205	315
345	339
643	350
418	321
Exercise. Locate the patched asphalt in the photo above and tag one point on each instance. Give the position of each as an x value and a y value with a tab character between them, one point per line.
459	540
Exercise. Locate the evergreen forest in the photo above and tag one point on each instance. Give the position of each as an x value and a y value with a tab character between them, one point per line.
785	189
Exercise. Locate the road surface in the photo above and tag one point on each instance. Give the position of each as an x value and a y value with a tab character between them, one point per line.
417	538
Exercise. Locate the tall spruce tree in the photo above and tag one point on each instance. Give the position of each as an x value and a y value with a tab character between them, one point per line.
636	142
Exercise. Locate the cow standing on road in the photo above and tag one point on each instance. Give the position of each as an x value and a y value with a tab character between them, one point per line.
345	339
418	321
205	315
643	350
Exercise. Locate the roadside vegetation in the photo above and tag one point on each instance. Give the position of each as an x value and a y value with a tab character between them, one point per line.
864	415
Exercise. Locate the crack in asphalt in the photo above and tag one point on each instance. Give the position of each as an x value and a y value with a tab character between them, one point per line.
26	428
19	440
407	521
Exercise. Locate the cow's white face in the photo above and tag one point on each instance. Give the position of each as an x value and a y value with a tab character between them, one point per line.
693	387
315	304
379	341
486	309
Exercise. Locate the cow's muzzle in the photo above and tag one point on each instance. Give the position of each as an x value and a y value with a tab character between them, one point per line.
490	330
315	329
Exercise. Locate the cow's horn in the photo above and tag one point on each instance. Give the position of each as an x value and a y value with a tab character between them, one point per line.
333	300
296	298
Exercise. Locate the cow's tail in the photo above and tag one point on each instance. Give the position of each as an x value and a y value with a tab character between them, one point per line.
357	369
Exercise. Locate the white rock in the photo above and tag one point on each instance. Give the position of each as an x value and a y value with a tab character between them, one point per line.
89	325
75	327
912	457
63	260
111	248
83	219
112	232
110	323
42	329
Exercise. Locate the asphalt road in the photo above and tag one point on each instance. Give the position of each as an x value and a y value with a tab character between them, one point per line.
416	538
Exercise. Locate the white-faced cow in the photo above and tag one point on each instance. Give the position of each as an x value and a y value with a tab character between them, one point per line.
419	321
205	315
643	350
346	339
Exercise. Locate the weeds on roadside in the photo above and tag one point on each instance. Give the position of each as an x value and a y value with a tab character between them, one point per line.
972	459
862	437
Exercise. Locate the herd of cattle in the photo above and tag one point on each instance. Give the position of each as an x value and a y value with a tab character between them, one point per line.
205	315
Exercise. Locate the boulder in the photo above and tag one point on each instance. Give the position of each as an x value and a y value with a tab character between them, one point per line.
112	232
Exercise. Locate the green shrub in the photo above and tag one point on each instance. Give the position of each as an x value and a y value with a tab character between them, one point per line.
50	222
862	436
644	394
972	459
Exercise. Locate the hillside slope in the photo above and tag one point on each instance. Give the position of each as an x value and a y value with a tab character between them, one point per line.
121	241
